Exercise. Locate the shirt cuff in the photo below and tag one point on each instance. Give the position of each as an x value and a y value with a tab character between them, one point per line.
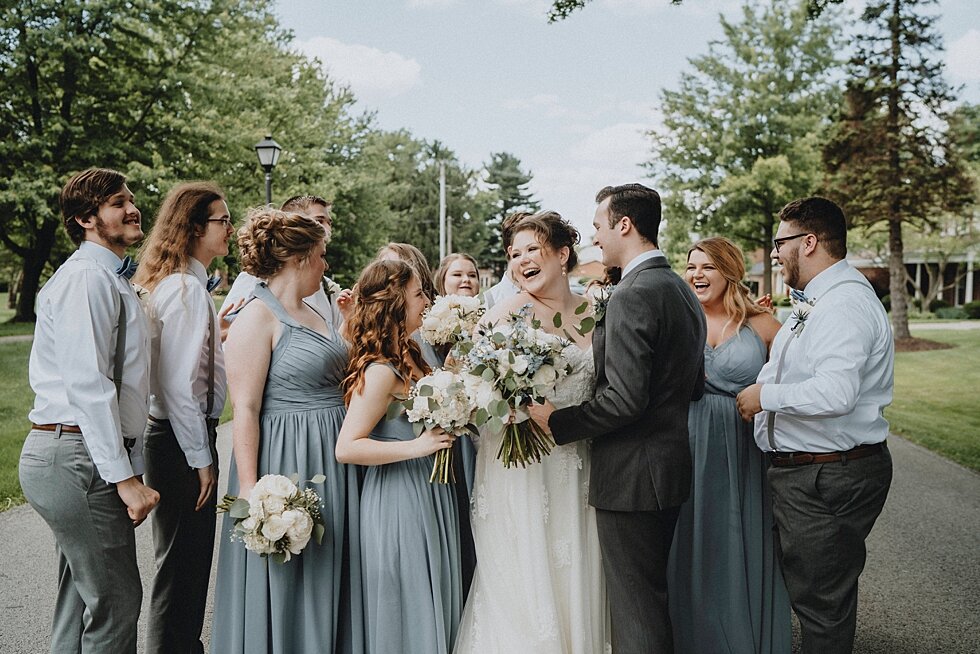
769	397
198	458
120	469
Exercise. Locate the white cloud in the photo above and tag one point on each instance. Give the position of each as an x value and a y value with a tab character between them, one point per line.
963	57
546	104
614	145
372	74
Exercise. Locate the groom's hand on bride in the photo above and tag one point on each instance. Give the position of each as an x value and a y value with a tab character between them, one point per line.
540	413
749	401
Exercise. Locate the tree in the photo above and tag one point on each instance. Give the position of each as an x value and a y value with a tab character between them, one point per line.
508	183
740	138
562	9
890	159
163	90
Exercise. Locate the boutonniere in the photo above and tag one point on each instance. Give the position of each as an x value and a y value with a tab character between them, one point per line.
330	287
600	299
801	311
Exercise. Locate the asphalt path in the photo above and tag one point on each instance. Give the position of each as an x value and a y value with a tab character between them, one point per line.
918	594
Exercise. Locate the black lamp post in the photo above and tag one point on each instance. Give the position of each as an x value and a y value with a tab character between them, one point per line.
268	151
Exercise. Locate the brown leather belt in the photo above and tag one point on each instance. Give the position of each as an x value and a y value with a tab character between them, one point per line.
780	459
68	429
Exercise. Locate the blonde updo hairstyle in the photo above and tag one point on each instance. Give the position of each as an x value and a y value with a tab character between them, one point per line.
375	328
730	262
271	237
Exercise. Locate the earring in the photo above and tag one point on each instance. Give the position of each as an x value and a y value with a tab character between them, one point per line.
564	273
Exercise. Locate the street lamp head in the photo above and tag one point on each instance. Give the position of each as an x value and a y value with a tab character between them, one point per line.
268	151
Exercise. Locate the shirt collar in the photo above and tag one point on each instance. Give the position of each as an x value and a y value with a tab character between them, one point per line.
196	268
99	254
825	279
640	258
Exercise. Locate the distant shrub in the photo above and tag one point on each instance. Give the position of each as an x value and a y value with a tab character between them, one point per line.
937	304
972	310
951	313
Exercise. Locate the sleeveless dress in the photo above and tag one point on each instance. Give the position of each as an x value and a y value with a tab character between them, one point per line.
312	602
410	561
726	590
539	587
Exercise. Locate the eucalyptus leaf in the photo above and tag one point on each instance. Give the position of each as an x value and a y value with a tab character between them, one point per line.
394	410
418	428
582	308
586	326
318	531
294	478
239	508
318	479
425	391
557	320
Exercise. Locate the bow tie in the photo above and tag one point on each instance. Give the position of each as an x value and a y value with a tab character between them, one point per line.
213	282
127	268
798	296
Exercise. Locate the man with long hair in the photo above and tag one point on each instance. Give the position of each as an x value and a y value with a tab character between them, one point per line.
82	461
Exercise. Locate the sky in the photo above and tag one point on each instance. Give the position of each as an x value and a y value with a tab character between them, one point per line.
571	100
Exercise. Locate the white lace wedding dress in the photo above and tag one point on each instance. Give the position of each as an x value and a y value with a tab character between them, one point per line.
538	587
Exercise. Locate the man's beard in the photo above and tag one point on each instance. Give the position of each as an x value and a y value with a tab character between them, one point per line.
791	271
113	239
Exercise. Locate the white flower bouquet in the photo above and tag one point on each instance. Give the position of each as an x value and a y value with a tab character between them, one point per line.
521	363
451	319
441	399
278	519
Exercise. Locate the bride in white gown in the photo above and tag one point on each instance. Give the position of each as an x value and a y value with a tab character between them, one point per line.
538	586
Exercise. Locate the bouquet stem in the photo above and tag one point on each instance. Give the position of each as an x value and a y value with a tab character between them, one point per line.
442	468
524	443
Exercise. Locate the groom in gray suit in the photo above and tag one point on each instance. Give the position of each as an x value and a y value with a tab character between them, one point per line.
649	357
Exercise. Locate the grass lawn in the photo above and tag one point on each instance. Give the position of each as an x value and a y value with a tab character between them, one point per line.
8	328
936	396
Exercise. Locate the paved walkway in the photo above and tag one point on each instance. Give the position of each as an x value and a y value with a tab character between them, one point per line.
918	593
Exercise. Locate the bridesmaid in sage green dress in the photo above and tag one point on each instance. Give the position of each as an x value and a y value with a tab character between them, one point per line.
285	366
726	591
410	563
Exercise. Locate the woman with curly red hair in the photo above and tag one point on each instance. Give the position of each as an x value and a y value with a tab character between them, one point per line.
410	564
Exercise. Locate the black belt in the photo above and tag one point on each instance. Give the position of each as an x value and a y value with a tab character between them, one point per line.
781	459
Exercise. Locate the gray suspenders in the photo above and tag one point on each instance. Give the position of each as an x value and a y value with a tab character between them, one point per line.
771	418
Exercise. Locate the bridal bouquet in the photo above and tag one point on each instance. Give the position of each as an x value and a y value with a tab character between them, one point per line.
451	319
521	363
441	399
278	518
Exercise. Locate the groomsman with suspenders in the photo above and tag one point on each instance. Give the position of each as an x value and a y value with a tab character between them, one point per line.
187	396
81	463
818	410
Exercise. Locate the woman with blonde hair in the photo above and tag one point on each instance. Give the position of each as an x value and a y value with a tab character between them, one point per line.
409	546
187	395
726	589
285	369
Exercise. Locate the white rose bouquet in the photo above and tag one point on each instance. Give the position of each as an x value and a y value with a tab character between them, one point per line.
278	518
521	363
451	319
441	399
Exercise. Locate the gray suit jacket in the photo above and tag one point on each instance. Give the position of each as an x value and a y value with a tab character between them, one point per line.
649	357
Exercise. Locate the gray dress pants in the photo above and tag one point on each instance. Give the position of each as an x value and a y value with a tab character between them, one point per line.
183	543
824	512
99	589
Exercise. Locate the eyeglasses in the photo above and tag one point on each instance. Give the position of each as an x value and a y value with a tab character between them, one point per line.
778	242
225	222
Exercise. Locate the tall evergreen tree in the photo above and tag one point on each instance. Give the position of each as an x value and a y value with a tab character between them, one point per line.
891	161
509	184
740	138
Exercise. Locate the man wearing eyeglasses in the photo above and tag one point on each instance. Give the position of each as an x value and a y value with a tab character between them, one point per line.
818	407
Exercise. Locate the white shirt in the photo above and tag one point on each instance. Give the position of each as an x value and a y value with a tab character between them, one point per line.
502	290
837	375
640	258
71	364
179	311
244	287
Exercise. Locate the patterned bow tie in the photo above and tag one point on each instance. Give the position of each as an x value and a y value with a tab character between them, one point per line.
213	282
798	296
127	268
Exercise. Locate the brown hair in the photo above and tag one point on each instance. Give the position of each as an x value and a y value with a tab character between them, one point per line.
168	248
440	278
269	238
508	224
299	203
375	328
554	231
414	257
640	203
730	262
82	195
